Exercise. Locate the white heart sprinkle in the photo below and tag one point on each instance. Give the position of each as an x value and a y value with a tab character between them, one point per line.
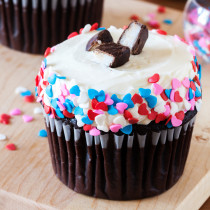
86	29
2	137
83	98
38	110
20	89
120	120
187	105
198	104
100	120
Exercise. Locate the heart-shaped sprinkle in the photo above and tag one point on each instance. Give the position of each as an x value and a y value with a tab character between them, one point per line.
86	120
10	147
54	103
5	119
29	99
94	102
92	93
102	106
21	89
121	107
67	114
94	132
75	90
46	83
129	103
180	115
193	65
2	137
27	118
47	52
101	96
26	93
47	109
168	92
64	90
127	115
143	109
155	78
108	100
52	79
127	129
144	92
59	113
61	98
159	31
187	105
192	85
94	27
152	101
196	79
157	89
112	110
137	99
176	84
177	97
120	120
87	127
49	91
191	95
15	112
73	34
186	82
91	114
42	133
160	117
133	120
152	115
192	102
61	106
168	110
115	99
98	111
175	122
197	93
53	113
78	111
127	97
164	96
100	119
172	95
115	128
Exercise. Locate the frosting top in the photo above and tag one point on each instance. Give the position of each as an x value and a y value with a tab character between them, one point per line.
160	84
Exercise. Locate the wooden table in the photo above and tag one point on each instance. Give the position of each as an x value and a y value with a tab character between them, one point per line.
27	178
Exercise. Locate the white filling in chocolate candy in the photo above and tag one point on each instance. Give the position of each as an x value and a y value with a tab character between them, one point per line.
102	58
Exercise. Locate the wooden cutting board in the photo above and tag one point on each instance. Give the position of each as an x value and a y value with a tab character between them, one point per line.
26	176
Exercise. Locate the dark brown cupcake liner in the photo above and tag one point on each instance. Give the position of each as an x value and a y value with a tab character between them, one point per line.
33	25
118	167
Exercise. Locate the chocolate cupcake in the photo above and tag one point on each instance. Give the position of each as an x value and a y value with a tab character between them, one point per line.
33	25
119	109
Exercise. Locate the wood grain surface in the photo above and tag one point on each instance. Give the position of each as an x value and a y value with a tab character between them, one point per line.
27	178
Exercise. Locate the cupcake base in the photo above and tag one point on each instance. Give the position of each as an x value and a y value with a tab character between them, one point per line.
119	167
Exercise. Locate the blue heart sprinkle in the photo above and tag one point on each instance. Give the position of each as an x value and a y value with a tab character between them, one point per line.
59	113
168	21
101	96
169	125
100	29
49	91
152	101
45	63
68	107
70	102
54	103
78	111
115	99
92	93
112	110
195	59
36	93
75	90
52	79
42	133
191	94
60	77
26	93
199	71
127	97
168	92
130	103
87	121
197	93
127	129
144	92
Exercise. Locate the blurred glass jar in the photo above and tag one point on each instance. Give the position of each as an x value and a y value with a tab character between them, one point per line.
197	26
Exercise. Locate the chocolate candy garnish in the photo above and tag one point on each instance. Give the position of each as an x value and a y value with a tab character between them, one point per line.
100	38
112	54
134	37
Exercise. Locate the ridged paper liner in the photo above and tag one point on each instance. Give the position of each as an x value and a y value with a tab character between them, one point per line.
33	25
118	167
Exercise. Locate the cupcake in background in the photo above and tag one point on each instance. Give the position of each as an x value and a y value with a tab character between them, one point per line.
33	25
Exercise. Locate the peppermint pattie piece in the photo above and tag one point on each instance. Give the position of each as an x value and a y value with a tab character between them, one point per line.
100	38
111	54
134	37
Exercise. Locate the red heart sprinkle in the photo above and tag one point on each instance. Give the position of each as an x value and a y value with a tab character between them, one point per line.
159	118
29	99
164	96
152	115
67	114
37	80
197	98
47	52
177	97
155	78
72	35
168	119
80	31
91	114
53	112
102	106
94	102
137	99
161	32
94	27
196	79
193	65
133	120
39	90
192	85
154	25
127	114
87	127
134	17
180	115
46	83
143	109
10	147
161	9
47	109
42	73
5	119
